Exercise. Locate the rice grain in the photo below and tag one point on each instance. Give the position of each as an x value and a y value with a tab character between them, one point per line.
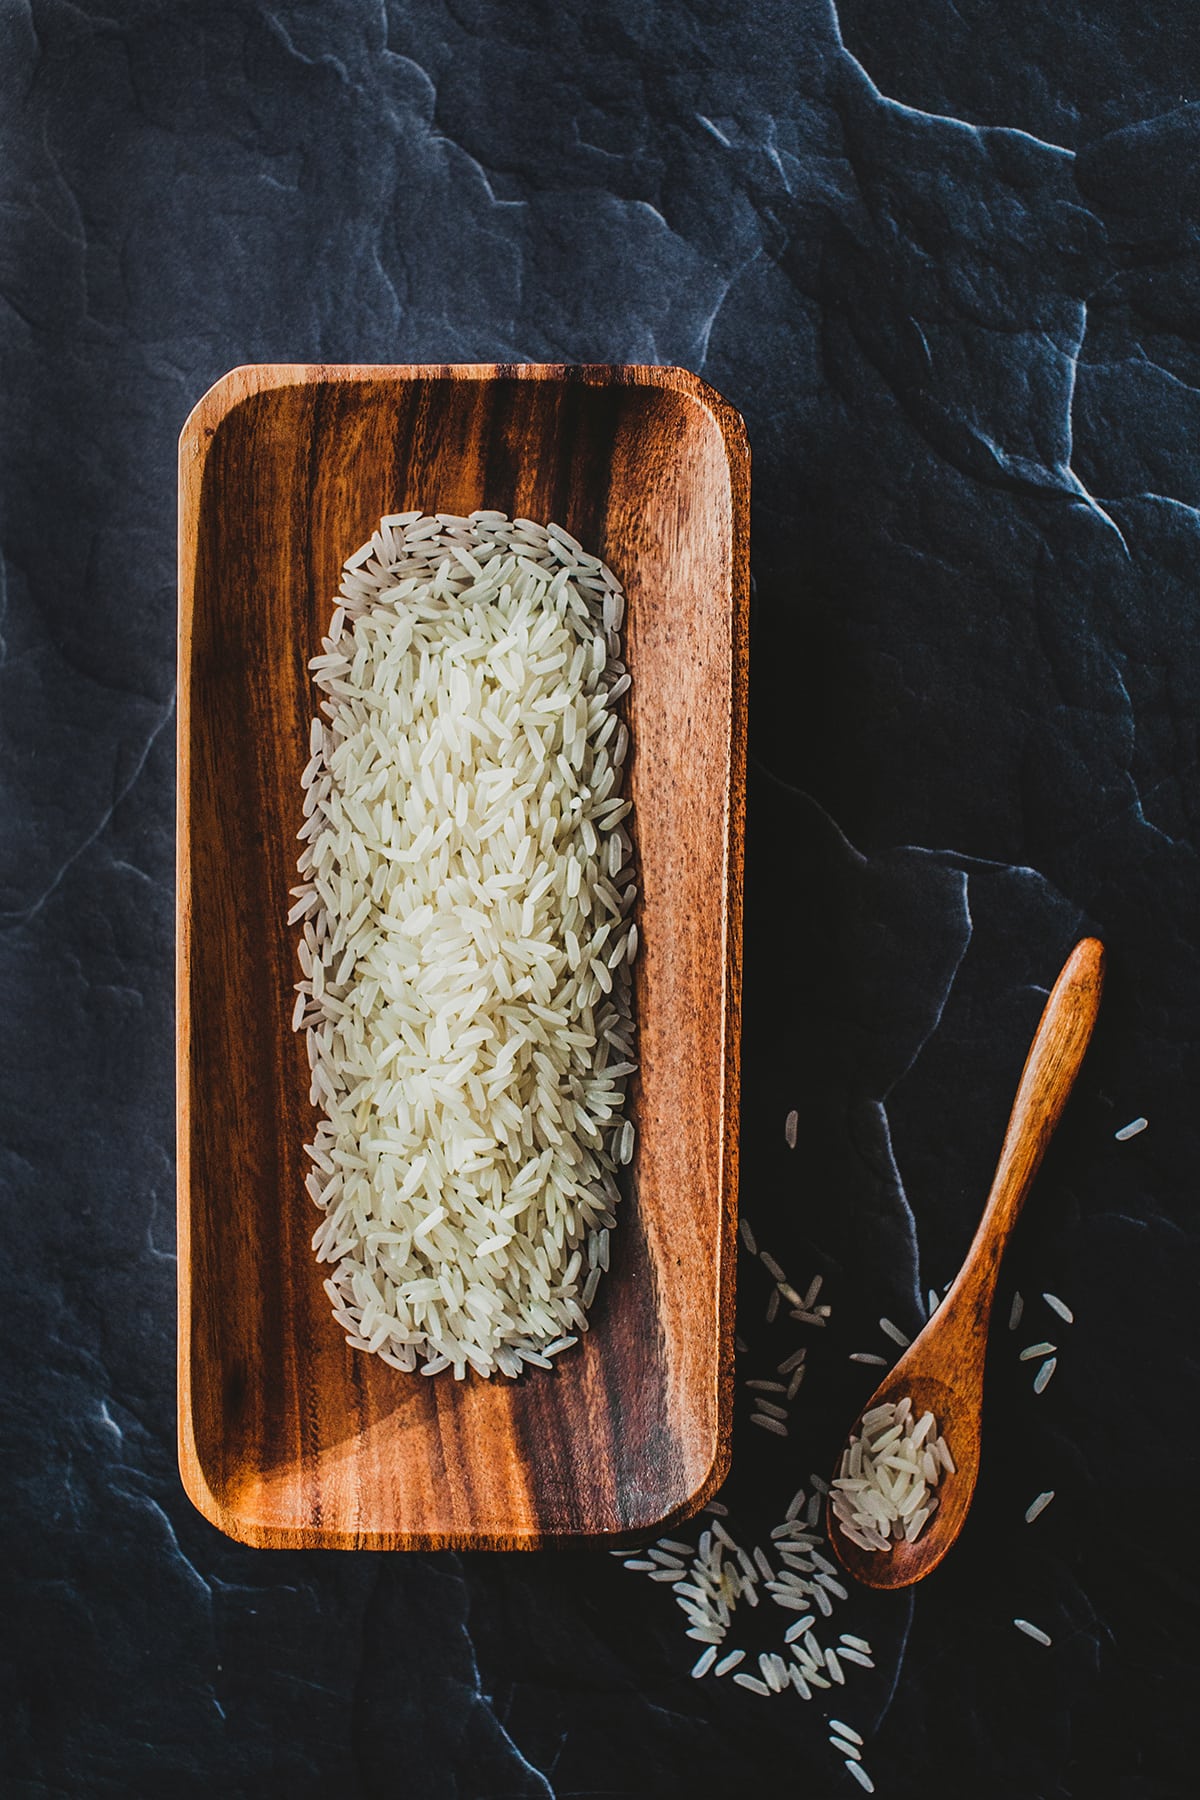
465	962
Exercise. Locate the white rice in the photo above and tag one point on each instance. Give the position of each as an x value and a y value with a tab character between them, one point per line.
1060	1307
1015	1311
1041	1380
1131	1130
798	1681
791	1128
884	1490
770	1673
909	1457
464	909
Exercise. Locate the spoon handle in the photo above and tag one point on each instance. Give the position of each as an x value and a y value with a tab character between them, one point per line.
1054	1060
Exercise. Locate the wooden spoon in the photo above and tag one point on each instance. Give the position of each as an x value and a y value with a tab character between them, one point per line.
942	1370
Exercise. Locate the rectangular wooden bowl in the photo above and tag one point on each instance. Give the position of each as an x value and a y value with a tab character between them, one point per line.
287	1437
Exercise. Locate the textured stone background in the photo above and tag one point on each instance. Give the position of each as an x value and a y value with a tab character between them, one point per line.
946	259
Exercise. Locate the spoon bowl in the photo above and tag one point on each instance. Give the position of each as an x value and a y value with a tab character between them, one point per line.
942	1370
905	1563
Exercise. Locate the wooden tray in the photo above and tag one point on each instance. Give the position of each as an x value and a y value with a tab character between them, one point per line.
286	1436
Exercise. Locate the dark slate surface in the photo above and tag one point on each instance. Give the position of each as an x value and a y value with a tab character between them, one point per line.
944	258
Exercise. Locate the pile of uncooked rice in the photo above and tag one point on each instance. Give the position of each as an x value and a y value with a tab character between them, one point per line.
884	1489
467	941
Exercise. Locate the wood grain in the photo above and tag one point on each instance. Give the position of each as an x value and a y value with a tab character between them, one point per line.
942	1370
286	1436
